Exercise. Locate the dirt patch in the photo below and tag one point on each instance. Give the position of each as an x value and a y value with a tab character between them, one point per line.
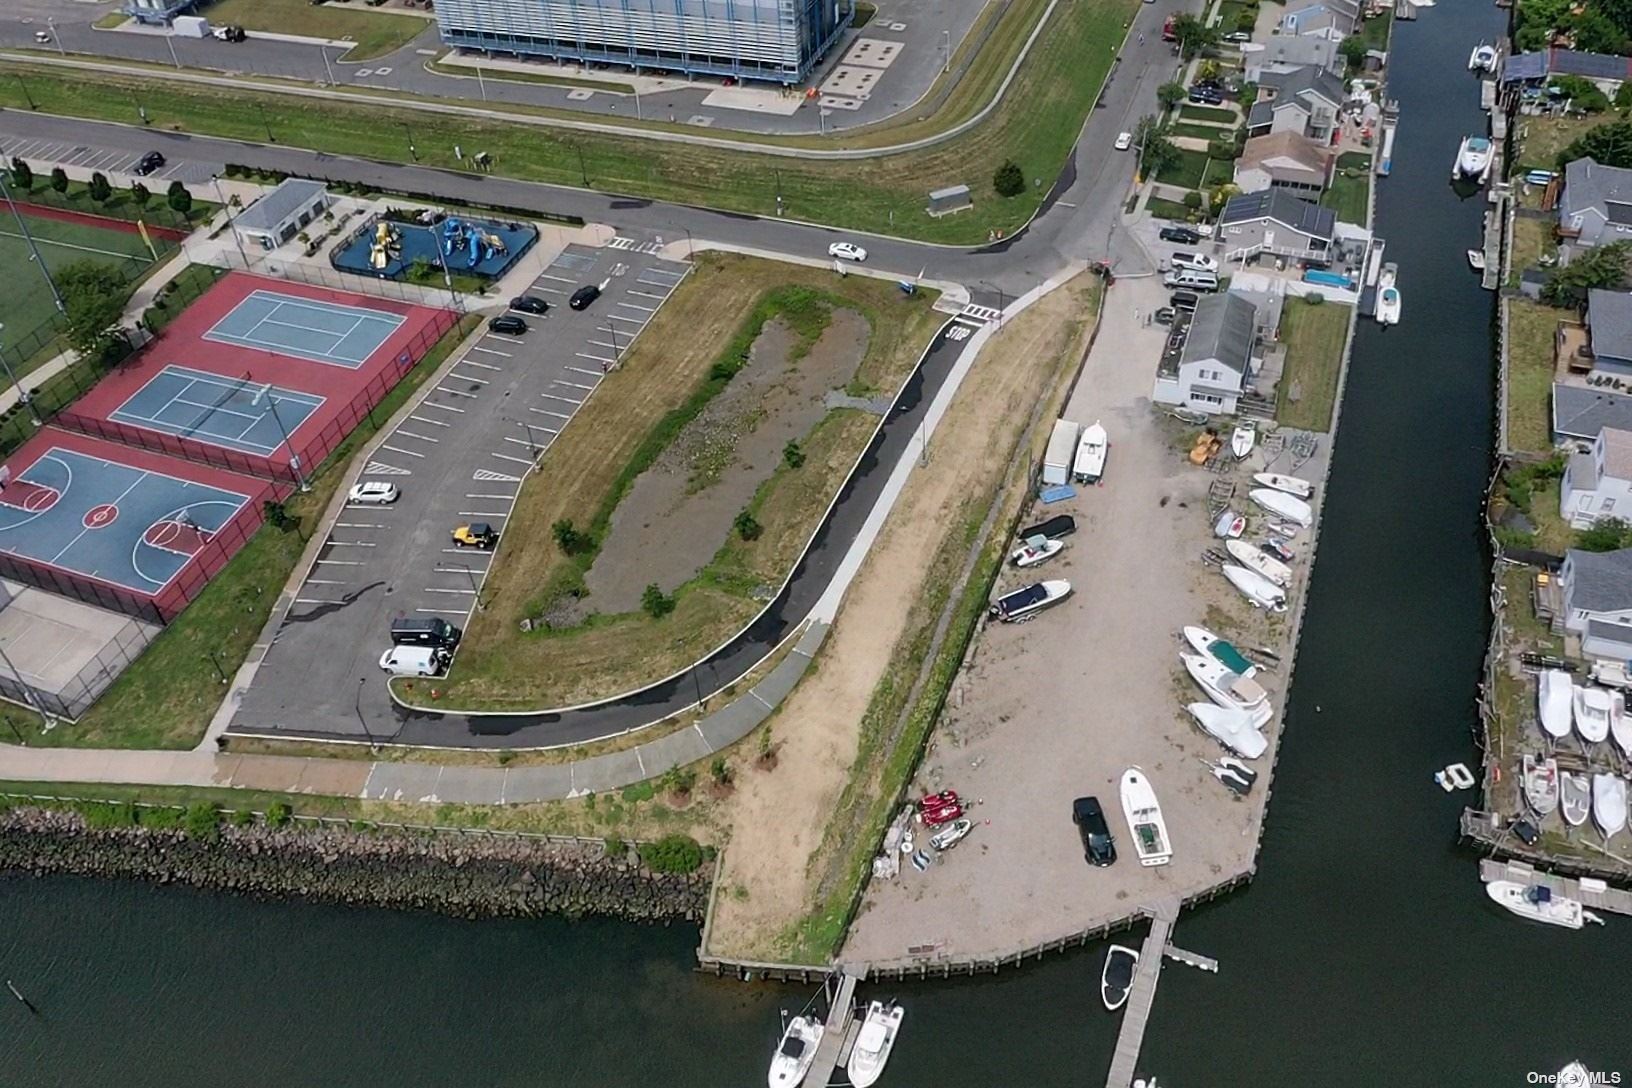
779	816
680	511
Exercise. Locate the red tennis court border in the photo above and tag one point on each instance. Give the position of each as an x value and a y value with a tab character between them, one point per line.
103	222
209	552
349	393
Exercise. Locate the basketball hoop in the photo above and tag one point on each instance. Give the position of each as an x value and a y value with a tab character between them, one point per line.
5	476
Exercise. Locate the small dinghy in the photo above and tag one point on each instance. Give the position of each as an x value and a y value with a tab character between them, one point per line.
1256	588
1457	776
1229	525
1609	803
874	1043
1256	559
1476	259
1574	797
1230	690
1239	769
1283	529
1292	485
1242	439
1116	979
1592	713
1540	782
1280	549
1036	550
1483	58
1288	507
1538	903
795	1053
1231	727
1553	696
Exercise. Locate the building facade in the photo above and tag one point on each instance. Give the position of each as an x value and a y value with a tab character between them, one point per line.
776	40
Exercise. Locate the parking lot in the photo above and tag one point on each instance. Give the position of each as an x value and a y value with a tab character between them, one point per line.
459	456
105	160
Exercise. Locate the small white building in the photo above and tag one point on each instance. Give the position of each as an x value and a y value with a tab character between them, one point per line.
279	215
1597	588
1598	484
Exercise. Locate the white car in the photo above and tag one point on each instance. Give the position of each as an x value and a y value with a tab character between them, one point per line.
847	251
1124	141
1195	262
43	37
373	493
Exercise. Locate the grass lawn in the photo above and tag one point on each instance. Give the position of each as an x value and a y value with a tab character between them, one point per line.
1218	172
1167	209
1208	113
1347	197
375	32
1542	138
1375	30
1531	328
1313	336
1532	240
166	699
1036	124
1199	132
664	382
1553	533
1187	170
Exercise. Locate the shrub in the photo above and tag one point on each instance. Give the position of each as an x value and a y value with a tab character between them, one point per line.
640	791
202	820
792	455
179	199
278	814
655	603
59	179
22	175
1608	535
99	189
615	846
1009	180
747	527
570	539
720	771
672	854
140	194
1192	200
1314	298
100	817
680	779
242	817
161	819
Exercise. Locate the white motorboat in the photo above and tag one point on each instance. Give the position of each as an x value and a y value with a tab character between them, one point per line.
1609	803
1242	439
1472	159
1286	530
873	1044
1288	507
1554	693
1144	817
1256	559
1388	306
1116	979
795	1052
1229	689
1027	601
1540	783
1256	588
1092	449
1036	550
1574	797
1482	59
1620	726
1292	485
950	835
1476	259
1231	728
1210	645
1538	903
1592	713
1229	525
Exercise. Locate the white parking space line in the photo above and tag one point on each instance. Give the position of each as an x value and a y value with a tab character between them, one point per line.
549	290
547	412
314	600
350	544
481	514
411	434
507	457
647	294
464	592
534	446
603	344
483	366
581	370
444	407
575	385
399	449
504	339
636	306
467	552
552	396
440	611
357	525
430	422
455	392
326	582
472	495
466	378
490	351
627	320
557	279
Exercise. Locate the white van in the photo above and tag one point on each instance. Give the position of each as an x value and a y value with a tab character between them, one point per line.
415	660
1194	281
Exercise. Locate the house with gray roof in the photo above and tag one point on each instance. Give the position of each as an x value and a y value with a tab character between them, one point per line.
1598	484
1283	53
1609	332
1212	367
1580	412
279	215
1596	206
1606	70
1306	100
1276	222
1328	17
1597	590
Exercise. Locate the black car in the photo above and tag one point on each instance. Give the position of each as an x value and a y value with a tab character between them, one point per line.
529	304
1185	236
1098	848
1164	316
1185	301
582	297
148	163
1206	96
509	323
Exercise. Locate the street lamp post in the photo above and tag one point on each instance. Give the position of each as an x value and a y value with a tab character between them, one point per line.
213	660
691	247
583	170
294	458
778	173
946	49
411	152
52	23
227	206
617	352
22	394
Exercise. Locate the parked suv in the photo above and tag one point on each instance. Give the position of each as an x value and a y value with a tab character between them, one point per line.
148	163
507	323
1185	236
1098	847
532	304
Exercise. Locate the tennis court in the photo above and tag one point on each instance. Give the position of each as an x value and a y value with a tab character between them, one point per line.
305	328
235	414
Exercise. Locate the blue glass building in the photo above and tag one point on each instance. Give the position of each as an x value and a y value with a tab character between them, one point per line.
776	40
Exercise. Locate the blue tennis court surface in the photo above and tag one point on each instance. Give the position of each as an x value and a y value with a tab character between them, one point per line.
322	332
113	522
231	413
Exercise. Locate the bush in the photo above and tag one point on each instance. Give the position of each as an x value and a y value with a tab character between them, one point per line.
747	527
1192	200
655	603
161	819
640	791
179	199
1608	535
570	539
615	847
792	455
59	179
1009	180
202	820
672	854
1314	299
720	771
100	816
140	194
22	175
278	814
99	189
242	817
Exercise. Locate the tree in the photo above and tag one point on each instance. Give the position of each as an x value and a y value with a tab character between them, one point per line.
22	175
1193	36
179	199
1192	200
99	188
792	455
1353	49
1170	95
747	527
1009	180
1208	70
93	301
1623	95
139	194
1599	267
1606	535
655	603
1156	152
59	179
1608	144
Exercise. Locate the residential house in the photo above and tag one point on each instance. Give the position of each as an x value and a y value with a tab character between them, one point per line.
1581	413
1212	367
1606	71
1284	53
1276	222
1598	484
1341	17
1306	101
1596	206
1597	592
1284	160
1603	345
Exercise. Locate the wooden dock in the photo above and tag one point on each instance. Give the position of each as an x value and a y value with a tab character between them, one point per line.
1142	995
837	1037
1193	959
1592	894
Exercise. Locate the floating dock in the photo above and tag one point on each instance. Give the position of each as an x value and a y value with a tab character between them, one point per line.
837	1037
1592	894
1405	11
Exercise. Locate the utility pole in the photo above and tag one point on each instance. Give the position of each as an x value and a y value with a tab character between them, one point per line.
411	152
34	252
22	394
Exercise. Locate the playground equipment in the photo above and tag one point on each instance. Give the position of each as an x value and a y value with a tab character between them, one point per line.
387	246
477	244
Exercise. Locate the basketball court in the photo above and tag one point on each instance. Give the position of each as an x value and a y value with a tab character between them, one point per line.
237	415
305	328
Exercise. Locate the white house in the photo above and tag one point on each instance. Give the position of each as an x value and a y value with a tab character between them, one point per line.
279	215
1212	366
1597	588
1599	484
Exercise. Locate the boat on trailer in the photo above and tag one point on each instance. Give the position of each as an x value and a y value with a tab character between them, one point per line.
1292	485
1258	560
1284	506
1144	817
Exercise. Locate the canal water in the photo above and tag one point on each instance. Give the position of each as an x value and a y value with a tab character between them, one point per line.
1365	954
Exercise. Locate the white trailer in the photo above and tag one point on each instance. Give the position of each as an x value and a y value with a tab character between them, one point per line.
190	26
1062	447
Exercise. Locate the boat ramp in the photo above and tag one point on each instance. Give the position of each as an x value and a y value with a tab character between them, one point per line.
1590	893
